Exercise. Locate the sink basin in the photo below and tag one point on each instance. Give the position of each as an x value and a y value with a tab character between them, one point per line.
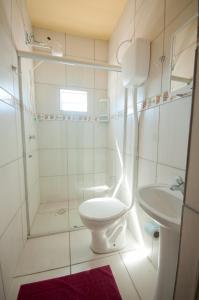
162	204
165	207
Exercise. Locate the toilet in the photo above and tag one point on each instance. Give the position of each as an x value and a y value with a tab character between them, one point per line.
105	217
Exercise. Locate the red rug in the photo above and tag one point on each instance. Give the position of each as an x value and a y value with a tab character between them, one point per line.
95	284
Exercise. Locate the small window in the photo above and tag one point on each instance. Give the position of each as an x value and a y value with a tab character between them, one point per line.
73	100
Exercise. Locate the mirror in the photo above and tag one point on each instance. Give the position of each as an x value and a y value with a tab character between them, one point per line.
183	55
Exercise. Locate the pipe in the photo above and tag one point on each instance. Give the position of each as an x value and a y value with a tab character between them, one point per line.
68	61
23	144
135	148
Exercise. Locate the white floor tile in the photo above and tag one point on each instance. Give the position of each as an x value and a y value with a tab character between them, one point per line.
45	253
121	276
74	219
142	273
52	206
50	222
18	281
131	243
80	246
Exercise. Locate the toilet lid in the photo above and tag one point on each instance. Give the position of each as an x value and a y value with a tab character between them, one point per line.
102	208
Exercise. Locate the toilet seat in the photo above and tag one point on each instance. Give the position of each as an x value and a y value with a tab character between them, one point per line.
102	209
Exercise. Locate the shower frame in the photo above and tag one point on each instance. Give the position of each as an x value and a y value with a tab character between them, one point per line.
54	59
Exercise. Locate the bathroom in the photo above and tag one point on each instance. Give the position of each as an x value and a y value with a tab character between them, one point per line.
72	130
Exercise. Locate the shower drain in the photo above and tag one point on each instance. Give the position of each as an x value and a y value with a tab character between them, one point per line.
61	211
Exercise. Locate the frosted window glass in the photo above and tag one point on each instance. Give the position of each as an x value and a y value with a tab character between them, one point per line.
73	100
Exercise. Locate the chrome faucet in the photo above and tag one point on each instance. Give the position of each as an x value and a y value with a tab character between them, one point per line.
179	186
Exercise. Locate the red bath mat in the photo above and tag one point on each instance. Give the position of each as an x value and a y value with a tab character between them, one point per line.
95	284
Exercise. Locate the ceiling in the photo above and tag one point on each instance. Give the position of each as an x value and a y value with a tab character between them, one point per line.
89	18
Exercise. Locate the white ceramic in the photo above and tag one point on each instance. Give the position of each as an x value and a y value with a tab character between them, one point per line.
105	218
165	207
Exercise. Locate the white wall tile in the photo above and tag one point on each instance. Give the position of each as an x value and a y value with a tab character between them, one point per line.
123	31
100	160
53	189
167	175
18	30
100	135
100	80
2	294
5	53
129	134
192	188
146	172
188	260
9	258
80	134
153	83
173	133
21	179
129	178
149	19
9	147
177	23
51	134
174	8
148	133
80	161
100	180
9	194
24	222
32	168
75	190
80	47
80	77
6	8
101	50
19	132
138	4
89	188
47	98
98	96
51	73
33	200
111	163
52	162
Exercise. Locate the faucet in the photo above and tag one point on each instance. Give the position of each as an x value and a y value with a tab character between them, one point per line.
179	186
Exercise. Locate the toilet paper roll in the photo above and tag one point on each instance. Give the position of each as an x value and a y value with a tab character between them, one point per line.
152	229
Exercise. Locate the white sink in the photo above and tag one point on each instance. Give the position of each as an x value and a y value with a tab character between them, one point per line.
162	204
165	207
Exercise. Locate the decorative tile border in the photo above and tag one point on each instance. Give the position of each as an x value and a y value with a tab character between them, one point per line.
163	98
73	118
155	101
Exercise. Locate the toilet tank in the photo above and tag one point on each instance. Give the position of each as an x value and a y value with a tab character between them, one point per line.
135	63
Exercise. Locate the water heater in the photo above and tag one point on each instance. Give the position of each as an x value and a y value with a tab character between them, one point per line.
135	63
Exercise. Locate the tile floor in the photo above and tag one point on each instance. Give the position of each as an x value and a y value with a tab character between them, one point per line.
66	253
55	217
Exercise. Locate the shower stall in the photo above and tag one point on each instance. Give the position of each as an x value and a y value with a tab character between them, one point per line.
68	156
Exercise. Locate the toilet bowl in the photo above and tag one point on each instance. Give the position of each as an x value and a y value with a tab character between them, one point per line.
105	217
